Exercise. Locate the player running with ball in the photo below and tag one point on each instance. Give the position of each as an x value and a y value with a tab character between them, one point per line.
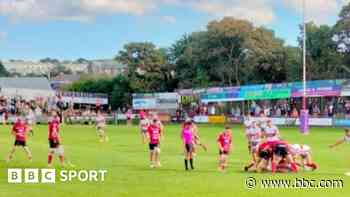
54	139
19	131
225	143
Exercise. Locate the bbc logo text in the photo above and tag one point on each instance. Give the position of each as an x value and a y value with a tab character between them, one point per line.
33	175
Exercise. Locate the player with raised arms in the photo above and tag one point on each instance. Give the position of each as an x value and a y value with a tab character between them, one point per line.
101	126
224	141
54	138
19	131
154	134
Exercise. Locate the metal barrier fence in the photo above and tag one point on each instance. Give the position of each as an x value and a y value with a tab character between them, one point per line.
121	119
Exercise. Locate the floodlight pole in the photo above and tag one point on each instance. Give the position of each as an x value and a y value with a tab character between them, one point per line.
304	113
304	55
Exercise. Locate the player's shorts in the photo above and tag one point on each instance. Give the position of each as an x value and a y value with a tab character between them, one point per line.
252	146
143	131
304	155
189	147
225	152
265	154
54	143
20	143
99	127
152	147
281	151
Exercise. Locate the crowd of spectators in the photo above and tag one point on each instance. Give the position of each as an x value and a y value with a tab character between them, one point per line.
318	108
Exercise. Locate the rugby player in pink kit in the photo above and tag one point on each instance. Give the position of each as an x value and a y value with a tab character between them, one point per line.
154	134
225	143
187	137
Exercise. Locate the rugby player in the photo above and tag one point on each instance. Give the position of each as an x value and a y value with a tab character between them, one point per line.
19	131
224	141
154	133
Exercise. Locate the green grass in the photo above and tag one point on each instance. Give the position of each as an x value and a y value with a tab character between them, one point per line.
126	160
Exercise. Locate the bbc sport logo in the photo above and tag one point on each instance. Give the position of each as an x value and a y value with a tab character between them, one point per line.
33	175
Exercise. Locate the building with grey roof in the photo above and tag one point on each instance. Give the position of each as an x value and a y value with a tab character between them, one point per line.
26	87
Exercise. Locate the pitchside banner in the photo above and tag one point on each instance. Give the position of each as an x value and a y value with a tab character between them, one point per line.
156	101
268	91
221	95
85	100
317	88
345	91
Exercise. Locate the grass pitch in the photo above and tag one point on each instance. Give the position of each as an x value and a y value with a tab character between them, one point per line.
126	159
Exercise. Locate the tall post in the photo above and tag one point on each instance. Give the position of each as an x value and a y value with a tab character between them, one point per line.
304	113
304	55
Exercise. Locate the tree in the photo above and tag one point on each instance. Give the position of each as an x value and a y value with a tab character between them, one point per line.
230	52
58	69
146	65
3	71
342	36
50	60
118	89
81	60
342	29
186	55
121	92
323	59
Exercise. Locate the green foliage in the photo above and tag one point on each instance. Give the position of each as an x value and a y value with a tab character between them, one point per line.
58	69
3	71
323	59
117	88
148	69
228	52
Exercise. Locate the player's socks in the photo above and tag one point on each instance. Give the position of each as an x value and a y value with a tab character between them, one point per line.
61	157
246	168
186	164
49	159
294	167
312	165
205	148
191	163
273	167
